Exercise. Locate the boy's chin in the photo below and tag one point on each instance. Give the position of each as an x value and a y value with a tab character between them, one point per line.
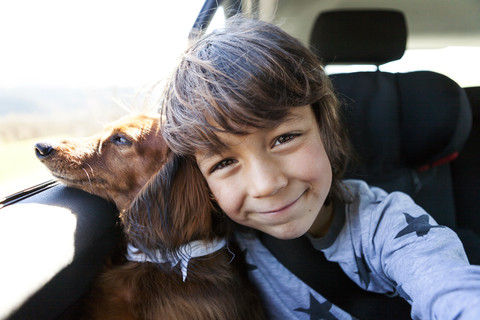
284	234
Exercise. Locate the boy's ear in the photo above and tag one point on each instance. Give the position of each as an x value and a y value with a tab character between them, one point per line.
173	208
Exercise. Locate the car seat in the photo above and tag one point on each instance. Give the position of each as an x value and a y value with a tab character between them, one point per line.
56	242
466	171
405	128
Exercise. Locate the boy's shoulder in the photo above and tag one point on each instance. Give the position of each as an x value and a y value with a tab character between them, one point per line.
373	212
361	195
355	189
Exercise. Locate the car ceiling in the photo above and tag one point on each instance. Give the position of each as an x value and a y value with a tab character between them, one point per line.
431	23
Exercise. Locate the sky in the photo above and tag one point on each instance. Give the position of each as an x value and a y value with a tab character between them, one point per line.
91	42
134	43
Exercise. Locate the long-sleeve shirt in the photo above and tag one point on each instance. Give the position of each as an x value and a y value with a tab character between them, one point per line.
385	243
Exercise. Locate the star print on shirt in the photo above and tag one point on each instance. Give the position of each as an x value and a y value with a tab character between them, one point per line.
363	270
317	310
419	225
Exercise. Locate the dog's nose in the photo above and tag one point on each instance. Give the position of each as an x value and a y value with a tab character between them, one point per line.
43	150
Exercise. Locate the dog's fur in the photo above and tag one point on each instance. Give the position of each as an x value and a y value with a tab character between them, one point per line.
114	165
172	209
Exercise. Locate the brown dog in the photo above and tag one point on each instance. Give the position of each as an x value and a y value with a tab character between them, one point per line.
178	264
114	165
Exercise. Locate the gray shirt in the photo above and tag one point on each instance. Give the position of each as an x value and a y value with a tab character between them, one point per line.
385	243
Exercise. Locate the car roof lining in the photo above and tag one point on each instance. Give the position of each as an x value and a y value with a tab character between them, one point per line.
427	26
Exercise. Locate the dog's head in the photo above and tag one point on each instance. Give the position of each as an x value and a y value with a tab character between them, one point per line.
175	207
114	164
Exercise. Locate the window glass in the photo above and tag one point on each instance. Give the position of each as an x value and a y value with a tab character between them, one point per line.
218	20
67	67
458	63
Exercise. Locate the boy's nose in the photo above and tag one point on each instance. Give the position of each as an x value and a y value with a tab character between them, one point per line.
266	178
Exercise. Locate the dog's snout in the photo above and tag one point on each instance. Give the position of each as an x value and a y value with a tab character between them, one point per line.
43	150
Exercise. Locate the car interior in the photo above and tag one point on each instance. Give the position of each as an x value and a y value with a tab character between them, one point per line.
406	128
416	132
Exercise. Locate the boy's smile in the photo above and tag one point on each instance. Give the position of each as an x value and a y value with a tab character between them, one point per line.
274	180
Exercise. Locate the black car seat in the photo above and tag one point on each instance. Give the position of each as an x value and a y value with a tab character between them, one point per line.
466	171
406	129
466	183
56	242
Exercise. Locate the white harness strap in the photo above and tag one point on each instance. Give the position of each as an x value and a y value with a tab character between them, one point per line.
183	255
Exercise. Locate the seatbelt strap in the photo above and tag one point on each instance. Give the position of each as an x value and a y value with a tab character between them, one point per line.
329	280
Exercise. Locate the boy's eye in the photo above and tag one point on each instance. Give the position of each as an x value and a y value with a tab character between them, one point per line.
285	138
222	164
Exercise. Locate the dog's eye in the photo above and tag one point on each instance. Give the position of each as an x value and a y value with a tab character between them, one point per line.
121	140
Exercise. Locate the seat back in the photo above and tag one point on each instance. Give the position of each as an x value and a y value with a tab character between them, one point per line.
57	241
466	171
406	128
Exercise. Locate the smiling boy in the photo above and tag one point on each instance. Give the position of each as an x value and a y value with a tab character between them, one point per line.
254	109
276	180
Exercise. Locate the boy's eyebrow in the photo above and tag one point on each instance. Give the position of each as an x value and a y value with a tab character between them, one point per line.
204	158
290	117
213	151
209	153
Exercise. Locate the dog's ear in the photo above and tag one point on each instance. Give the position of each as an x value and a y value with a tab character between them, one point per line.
173	208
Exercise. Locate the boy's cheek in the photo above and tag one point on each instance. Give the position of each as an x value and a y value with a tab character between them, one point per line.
227	197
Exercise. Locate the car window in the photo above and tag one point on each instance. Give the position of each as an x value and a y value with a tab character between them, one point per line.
67	67
458	63
218	20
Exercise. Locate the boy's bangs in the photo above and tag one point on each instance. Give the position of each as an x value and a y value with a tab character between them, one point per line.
220	103
236	120
237	80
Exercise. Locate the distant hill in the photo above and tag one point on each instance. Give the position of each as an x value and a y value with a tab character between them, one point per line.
29	112
28	100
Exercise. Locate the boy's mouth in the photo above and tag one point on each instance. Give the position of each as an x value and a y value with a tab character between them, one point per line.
284	207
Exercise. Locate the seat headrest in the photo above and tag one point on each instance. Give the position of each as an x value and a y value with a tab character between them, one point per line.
359	36
418	119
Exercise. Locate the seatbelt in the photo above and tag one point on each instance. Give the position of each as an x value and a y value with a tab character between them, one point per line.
329	280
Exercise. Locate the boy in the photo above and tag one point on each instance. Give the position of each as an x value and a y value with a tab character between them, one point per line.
254	108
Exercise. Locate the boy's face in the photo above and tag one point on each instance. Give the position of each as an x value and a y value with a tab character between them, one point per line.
274	180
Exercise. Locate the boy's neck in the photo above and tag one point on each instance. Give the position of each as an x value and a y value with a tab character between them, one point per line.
323	221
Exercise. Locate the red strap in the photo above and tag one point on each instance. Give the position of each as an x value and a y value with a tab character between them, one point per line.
439	162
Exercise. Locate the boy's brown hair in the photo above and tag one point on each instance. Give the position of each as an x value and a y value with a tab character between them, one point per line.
246	75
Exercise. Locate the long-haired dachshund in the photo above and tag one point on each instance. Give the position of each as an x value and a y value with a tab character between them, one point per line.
115	164
178	263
